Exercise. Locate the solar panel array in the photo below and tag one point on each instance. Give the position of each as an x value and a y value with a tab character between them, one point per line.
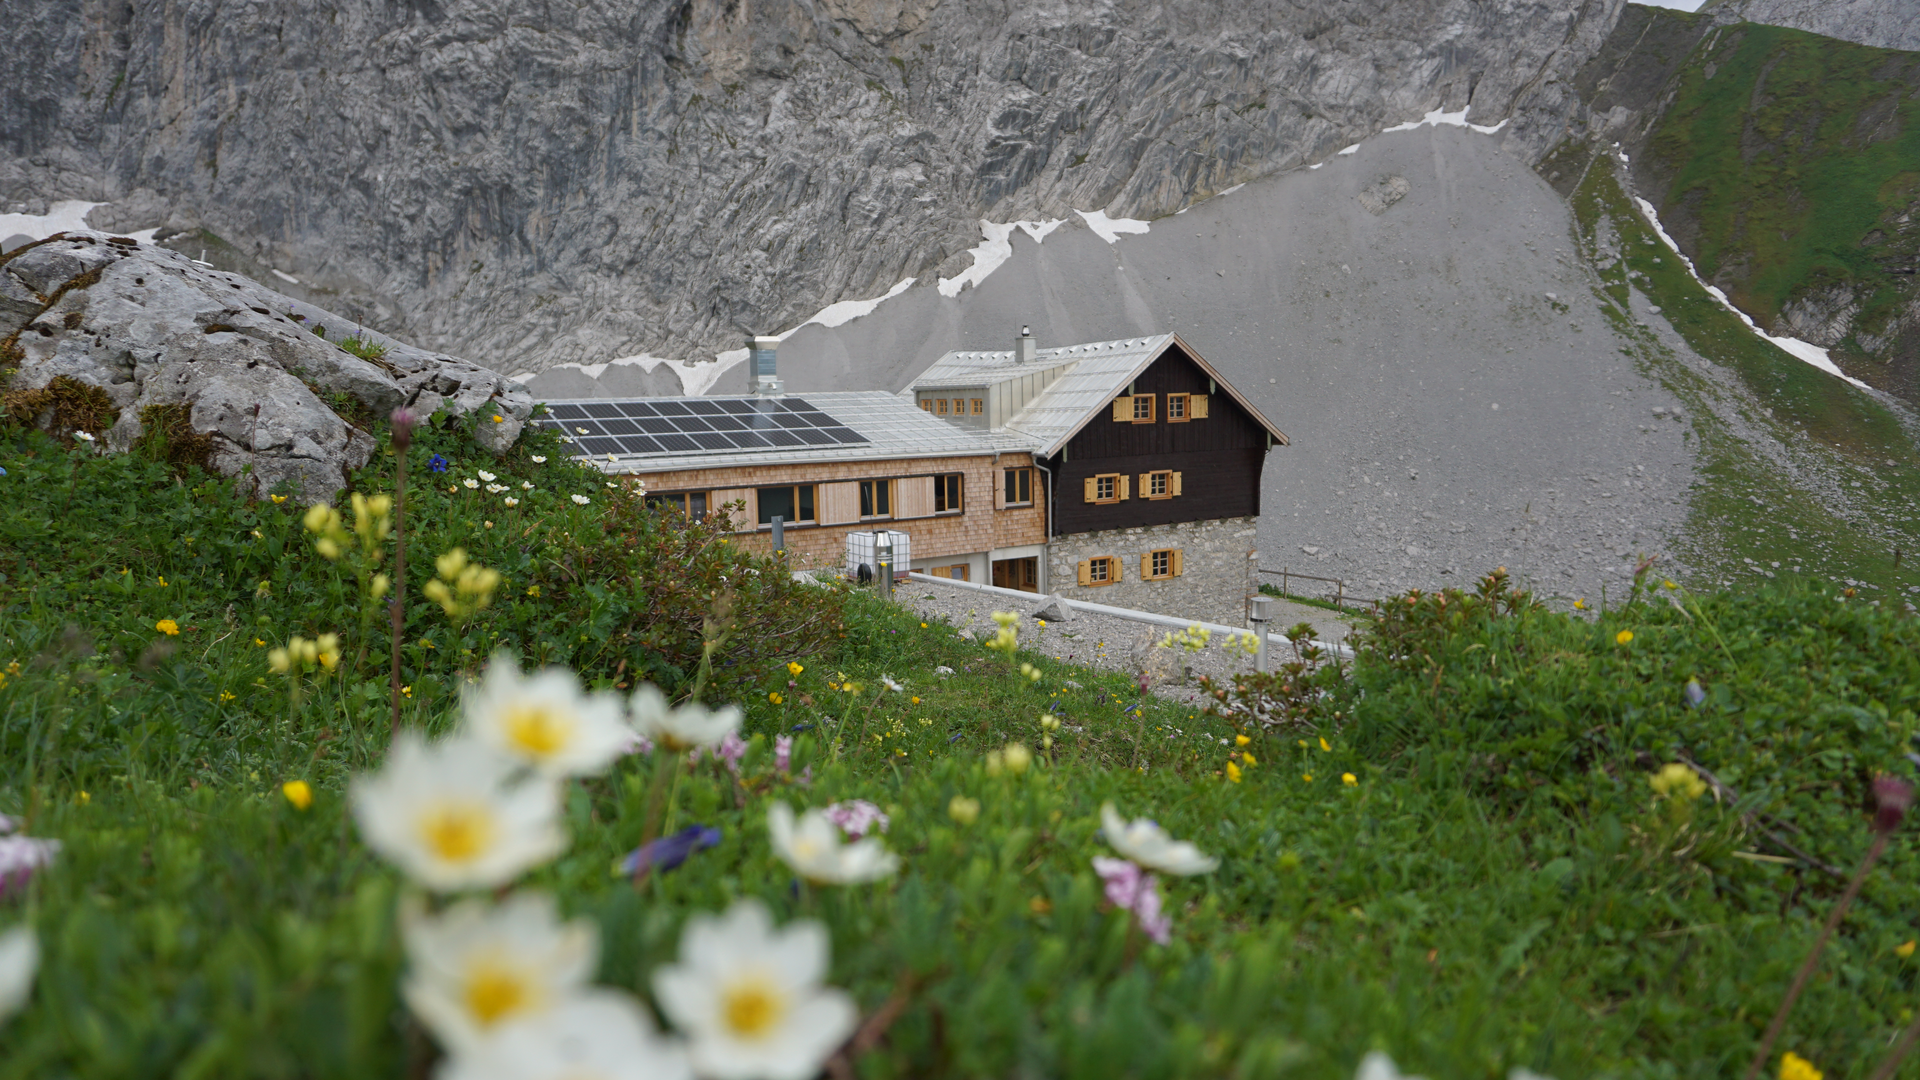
695	425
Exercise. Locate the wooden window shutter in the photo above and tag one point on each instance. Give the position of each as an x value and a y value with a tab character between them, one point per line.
1146	484
1176	484
1197	407
1086	571
1123	409
1089	483
840	503
1176	557
1146	565
913	497
1000	490
1126	486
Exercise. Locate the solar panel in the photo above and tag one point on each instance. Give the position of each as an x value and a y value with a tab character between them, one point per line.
685	426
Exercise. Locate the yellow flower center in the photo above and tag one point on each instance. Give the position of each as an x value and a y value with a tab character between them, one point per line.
752	1008
537	729
457	832
495	993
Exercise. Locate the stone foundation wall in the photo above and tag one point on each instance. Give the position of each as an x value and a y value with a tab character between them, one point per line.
1218	573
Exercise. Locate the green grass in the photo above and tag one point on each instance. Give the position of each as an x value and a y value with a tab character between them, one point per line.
1793	157
1495	888
1814	473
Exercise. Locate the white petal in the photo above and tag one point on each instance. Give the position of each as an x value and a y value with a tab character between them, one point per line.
19	962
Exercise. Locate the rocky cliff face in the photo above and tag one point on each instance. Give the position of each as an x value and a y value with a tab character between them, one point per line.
1883	24
533	183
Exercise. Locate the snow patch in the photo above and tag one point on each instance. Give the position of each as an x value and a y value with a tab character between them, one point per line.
1794	347
1354	149
1438	117
288	278
995	249
60	217
848	310
1111	229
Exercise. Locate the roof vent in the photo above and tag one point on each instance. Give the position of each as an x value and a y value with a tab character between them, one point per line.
762	376
1025	349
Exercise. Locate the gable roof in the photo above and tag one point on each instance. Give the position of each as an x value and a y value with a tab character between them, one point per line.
1096	372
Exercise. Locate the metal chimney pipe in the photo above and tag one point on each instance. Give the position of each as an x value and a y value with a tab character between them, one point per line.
779	534
1025	348
1262	611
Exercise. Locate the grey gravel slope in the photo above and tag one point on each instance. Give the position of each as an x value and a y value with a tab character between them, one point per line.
528	183
1381	344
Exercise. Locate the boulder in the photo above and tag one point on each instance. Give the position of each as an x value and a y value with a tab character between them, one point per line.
1055	609
258	372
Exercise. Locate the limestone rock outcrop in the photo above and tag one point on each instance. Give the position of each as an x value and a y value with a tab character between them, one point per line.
259	372
535	183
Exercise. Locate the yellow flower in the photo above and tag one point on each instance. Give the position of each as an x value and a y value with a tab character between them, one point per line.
1904	949
406	691
1248	758
85	798
533	591
1795	1067
916	701
1241	740
1308	777
1349	779
297	793
1303	744
923	626
168	627
1233	772
163	583
260	642
277	499
1623	637
1323	744
963	811
1671	585
498	419
1580	604
794	668
226	695
279	660
774	697
1678	780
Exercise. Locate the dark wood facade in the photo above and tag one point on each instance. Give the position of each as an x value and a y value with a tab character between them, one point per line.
1219	457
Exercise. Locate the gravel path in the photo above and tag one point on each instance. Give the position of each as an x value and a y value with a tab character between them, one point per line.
1106	641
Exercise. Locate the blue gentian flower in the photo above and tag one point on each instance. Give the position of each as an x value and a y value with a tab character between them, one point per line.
437	463
668	852
3	472
1696	694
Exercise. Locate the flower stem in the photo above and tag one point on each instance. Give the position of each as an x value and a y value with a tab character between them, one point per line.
1813	955
399	579
1887	1067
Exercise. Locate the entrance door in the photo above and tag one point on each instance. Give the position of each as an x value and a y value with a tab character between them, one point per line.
1022	574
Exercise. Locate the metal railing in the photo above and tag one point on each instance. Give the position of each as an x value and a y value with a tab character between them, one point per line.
1285	575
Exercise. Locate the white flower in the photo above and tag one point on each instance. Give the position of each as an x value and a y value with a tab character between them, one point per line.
526	485
83	436
495	489
475	966
609	457
611	484
544	720
749	997
887	681
470	483
580	499
19	961
447	815
813	848
487	476
511	501
539	459
689	726
1378	1066
598	1034
1149	845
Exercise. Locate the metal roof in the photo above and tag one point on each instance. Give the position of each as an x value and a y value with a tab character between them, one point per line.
851	425
1098	372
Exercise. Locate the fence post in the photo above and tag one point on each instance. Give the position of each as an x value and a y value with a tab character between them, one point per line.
1283	582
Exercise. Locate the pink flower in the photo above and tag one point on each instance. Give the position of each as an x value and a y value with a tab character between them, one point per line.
783	753
20	857
857	817
1132	889
731	749
639	744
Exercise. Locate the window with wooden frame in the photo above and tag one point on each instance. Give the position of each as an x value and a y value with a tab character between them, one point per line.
1160	565
792	504
926	404
876	498
1143	408
1162	484
946	493
979	406
940	406
1177	408
691	504
1104	570
959	406
1108	488
1019	487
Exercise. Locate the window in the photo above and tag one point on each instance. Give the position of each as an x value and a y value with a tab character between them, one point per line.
1019	486
1160	565
1177	408
1163	484
946	494
940	406
1108	488
689	503
1104	570
1143	408
979	407
876	498
791	504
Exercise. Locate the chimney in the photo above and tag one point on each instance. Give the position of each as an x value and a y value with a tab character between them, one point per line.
761	375
1025	348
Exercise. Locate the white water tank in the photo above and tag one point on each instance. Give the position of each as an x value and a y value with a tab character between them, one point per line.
860	552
